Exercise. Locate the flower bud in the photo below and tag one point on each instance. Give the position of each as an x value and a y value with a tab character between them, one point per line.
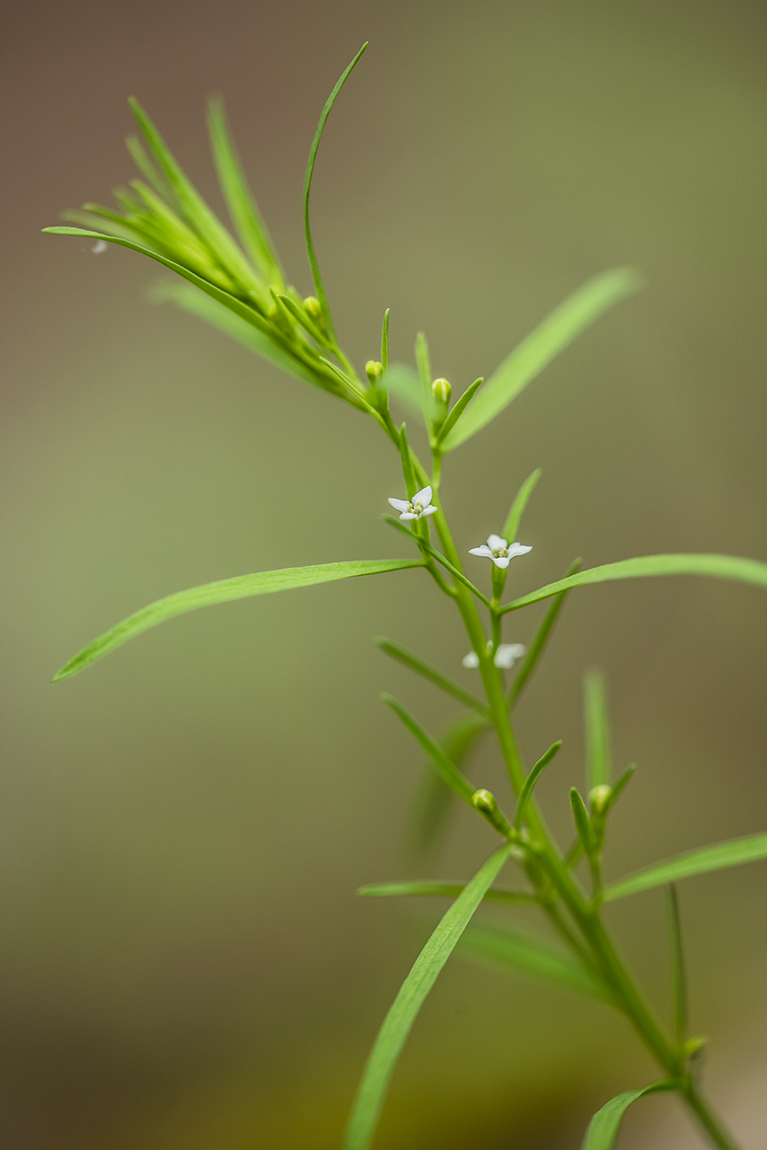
312	307
599	797
374	371
484	802
441	390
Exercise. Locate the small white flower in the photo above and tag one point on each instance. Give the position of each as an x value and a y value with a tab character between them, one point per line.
505	657
499	550
99	247
414	508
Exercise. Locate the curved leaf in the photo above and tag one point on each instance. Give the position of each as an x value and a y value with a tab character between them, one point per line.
604	1126
542	345
398	1022
718	856
715	566
223	591
510	949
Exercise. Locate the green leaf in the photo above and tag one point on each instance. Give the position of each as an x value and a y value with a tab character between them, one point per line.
513	950
543	344
518	506
597	731
424	374
529	785
714	566
398	1022
394	651
223	297
239	198
718	856
582	822
678	973
447	769
230	323
536	648
224	591
319	289
443	890
460	406
434	800
604	1126
385	341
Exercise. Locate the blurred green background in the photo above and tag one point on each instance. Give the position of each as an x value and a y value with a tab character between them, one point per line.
183	960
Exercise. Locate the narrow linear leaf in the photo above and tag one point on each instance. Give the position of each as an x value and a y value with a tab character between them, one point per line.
385	341
458	409
434	800
582	821
443	890
676	956
536	648
394	651
223	297
225	320
531	780
718	856
240	201
543	344
598	772
224	591
319	288
423	361
399	1021
512	950
714	566
447	769
518	506
604	1126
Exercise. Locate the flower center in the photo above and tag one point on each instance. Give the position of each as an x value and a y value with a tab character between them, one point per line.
500	552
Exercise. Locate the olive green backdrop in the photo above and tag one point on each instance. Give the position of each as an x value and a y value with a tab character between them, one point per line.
183	962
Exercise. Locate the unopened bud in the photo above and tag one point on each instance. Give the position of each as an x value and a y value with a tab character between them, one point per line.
374	371
693	1046
312	307
441	389
484	802
599	797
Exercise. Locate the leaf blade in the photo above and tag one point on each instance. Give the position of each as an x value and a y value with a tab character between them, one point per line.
511	949
319	288
598	772
518	506
400	655
541	346
447	769
441	890
646	566
223	591
404	1010
605	1125
718	856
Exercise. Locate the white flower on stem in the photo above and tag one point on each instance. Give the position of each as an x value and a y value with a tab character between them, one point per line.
505	657
414	508
499	550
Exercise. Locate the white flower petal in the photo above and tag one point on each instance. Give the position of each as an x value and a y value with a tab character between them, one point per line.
471	660
423	496
429	510
507	655
400	504
408	515
496	542
484	551
518	549
500	560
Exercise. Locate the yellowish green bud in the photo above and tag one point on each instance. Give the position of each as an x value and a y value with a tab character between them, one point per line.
312	307
374	371
441	390
484	802
694	1046
599	797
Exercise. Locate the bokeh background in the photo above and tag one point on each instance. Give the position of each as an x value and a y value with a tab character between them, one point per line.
183	960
